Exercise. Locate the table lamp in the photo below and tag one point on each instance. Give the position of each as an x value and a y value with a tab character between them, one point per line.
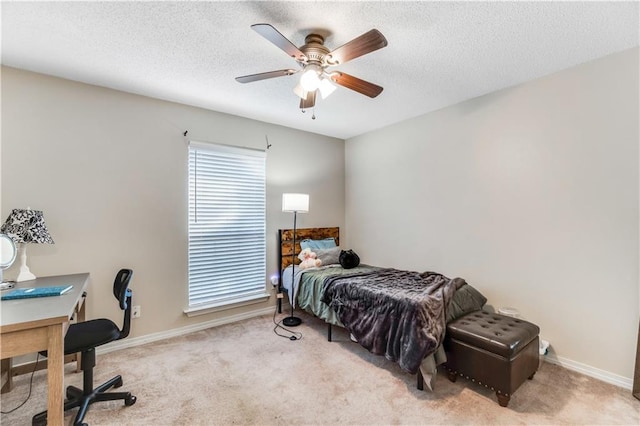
296	203
26	226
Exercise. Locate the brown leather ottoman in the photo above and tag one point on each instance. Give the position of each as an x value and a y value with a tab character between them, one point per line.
494	350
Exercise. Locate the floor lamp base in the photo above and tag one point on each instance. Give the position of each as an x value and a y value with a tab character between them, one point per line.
292	321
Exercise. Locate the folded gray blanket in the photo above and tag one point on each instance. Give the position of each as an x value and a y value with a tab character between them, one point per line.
398	314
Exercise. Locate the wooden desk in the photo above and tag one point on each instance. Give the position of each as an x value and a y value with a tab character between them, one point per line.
33	325
8	369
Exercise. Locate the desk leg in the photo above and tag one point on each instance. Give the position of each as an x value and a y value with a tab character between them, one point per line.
7	367
55	375
80	317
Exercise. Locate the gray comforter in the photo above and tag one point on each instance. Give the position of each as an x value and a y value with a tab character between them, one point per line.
405	321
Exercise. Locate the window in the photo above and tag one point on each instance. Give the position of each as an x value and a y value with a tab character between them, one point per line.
227	245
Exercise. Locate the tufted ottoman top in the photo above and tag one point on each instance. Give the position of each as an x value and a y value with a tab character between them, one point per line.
498	334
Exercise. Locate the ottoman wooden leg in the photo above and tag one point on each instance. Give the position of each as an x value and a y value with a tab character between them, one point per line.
452	375
503	400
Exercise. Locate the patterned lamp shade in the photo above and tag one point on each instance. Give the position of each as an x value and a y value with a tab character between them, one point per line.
26	226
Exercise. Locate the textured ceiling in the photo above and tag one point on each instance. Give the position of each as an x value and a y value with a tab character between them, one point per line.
439	53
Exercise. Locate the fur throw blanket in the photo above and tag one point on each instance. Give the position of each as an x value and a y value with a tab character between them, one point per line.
398	314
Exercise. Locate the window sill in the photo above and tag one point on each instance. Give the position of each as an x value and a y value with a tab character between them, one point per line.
222	306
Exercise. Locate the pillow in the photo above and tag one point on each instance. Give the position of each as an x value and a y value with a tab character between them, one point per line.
329	256
466	299
314	245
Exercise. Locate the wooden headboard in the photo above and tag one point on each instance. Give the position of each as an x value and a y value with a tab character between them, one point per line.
285	240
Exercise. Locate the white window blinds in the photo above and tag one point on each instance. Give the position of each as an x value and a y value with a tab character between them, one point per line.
227	246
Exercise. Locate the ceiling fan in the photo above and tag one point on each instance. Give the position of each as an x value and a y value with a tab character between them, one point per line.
314	59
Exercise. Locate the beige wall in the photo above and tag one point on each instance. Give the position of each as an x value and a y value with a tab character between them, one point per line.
109	170
530	193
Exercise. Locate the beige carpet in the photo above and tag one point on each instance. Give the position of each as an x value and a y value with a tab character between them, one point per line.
243	374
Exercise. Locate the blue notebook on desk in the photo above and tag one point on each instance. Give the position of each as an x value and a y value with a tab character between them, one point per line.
26	293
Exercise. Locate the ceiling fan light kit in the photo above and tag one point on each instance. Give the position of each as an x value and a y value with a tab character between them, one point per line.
314	58
310	78
326	88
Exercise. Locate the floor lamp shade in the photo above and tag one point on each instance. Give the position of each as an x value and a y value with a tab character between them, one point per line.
295	203
26	226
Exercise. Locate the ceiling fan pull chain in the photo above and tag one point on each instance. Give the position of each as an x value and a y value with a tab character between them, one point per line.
313	116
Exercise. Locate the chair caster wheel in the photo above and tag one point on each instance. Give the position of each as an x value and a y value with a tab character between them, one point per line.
118	383
39	422
130	401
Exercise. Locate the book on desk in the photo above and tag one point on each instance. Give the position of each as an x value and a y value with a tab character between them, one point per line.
26	293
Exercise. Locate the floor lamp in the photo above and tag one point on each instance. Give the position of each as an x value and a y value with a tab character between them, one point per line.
296	203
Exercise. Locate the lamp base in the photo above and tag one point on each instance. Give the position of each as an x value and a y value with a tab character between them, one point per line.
25	275
292	321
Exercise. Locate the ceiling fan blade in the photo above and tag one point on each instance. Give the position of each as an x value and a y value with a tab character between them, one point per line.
264	75
270	33
366	43
354	83
309	101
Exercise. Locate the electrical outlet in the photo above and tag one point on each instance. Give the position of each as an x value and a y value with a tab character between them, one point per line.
136	311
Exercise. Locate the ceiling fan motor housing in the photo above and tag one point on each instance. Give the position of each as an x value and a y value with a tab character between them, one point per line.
314	49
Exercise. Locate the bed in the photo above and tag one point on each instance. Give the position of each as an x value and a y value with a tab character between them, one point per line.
399	314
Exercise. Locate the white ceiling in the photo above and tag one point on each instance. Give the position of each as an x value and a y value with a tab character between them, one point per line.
439	53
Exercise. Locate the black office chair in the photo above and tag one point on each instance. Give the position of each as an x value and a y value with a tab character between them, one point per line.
84	337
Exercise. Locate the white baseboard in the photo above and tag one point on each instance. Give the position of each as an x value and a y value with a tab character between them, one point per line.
587	370
131	342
